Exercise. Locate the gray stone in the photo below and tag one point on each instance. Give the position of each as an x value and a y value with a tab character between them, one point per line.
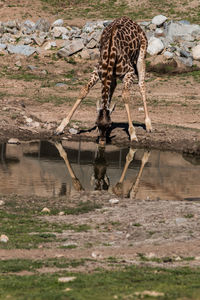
42	25
92	44
21	49
159	20
180	221
177	31
185	22
10	24
39	40
60	84
73	131
58	31
27	41
106	23
184	53
32	68
91	26
58	22
71	48
85	54
188	62
159	32
3	46
155	46
168	54
28	27
144	23
196	52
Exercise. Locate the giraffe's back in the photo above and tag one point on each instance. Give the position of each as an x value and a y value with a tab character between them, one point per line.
121	41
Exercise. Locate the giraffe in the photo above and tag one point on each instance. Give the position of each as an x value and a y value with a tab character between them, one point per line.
123	46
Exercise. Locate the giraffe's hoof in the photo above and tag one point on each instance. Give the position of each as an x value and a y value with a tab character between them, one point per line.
148	125
134	138
58	132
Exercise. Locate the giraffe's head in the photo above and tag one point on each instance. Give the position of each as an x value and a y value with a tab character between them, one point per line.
103	122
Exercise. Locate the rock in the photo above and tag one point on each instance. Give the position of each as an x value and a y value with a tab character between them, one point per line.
159	20
4	238
168	54
66	279
177	31
184	53
21	49
2	202
45	210
96	255
59	31
32	68
58	22
186	62
60	84
28	27
39	40
3	46
180	221
94	53
196	52
61	213
92	44
71	48
13	141
114	201
85	54
155	46
91	26
42	25
73	131
159	32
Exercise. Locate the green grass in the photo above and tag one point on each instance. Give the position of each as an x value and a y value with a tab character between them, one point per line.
110	9
127	283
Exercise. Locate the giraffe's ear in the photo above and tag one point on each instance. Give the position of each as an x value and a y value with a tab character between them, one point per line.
112	108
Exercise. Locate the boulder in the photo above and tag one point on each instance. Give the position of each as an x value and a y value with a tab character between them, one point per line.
71	47
21	49
42	25
155	46
196	52
58	31
159	20
58	22
178	31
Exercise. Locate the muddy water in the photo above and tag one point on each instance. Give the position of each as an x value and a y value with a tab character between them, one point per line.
47	169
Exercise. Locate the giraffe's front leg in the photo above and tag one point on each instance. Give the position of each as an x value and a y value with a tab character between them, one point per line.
141	77
85	90
126	98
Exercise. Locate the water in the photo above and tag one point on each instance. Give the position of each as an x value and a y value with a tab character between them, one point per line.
42	168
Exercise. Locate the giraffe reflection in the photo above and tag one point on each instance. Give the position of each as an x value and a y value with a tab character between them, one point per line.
124	187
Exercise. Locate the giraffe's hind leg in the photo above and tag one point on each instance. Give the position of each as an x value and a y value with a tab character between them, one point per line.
128	80
83	93
141	77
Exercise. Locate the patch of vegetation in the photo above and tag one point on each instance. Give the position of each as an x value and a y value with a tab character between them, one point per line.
128	283
54	99
18	265
82	208
110	9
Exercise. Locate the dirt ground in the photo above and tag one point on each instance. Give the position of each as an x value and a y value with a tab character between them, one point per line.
174	108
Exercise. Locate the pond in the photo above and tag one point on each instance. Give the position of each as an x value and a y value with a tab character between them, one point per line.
44	168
